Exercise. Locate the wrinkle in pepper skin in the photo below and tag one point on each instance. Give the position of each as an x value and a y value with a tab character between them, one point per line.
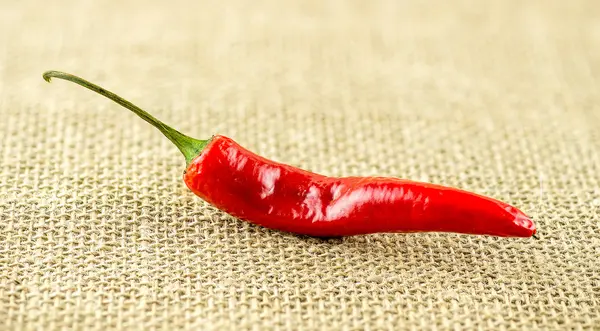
282	197
268	176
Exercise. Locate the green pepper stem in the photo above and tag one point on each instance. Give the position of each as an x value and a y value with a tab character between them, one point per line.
189	147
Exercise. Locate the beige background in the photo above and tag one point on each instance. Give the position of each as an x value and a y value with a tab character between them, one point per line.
99	232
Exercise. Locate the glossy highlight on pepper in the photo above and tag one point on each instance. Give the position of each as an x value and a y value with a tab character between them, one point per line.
286	198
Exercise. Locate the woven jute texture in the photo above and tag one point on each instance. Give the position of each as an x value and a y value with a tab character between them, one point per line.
99	232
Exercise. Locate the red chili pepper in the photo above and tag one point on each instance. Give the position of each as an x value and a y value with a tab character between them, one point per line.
282	197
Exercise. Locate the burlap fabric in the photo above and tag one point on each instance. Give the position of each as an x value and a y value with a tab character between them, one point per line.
99	232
